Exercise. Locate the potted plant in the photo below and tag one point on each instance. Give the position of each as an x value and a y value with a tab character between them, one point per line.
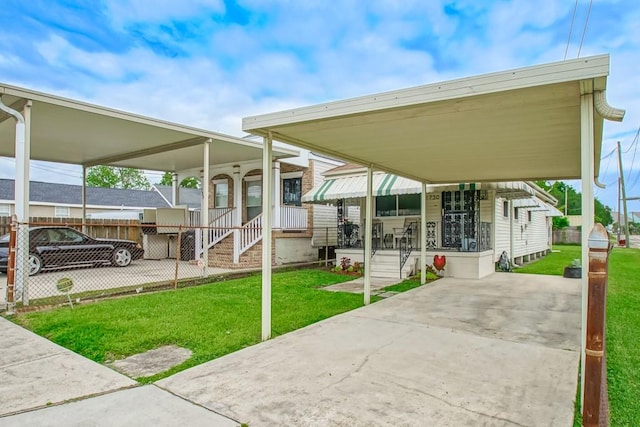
573	271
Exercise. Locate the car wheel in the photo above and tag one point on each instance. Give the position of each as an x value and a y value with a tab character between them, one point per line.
121	257
35	264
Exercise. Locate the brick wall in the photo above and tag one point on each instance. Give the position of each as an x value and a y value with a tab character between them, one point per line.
221	255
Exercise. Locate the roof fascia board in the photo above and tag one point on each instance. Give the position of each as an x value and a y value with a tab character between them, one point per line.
108	112
546	74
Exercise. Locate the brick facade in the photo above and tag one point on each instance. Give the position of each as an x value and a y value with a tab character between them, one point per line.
221	255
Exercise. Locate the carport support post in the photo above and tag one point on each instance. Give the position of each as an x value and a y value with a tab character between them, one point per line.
267	212
204	208
368	234
511	238
175	192
588	173
423	235
23	154
84	199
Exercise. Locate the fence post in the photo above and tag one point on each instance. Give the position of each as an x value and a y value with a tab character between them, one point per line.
11	267
326	247
178	256
595	411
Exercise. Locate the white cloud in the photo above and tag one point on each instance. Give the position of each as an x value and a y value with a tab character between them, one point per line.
126	11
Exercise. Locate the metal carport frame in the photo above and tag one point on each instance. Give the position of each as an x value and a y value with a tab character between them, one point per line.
40	126
540	122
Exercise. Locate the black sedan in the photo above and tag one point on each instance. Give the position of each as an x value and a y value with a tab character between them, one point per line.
52	247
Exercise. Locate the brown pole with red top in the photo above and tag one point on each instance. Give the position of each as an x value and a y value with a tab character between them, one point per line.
595	382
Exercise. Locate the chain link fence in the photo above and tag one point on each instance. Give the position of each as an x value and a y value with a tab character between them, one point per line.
56	262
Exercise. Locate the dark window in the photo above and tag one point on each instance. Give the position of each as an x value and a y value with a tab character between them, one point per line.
386	206
505	209
409	204
254	199
292	191
515	213
529	216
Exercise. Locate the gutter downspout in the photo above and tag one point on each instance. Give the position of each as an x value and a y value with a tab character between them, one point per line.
608	112
21	195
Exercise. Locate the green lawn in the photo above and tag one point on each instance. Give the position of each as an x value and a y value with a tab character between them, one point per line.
623	326
554	263
210	320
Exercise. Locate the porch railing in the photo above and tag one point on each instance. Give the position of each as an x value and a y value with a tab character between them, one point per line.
222	226
250	234
406	244
294	218
194	216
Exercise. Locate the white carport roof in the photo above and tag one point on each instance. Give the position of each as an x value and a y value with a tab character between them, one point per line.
522	124
69	131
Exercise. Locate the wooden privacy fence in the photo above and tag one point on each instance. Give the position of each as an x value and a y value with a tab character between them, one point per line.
99	228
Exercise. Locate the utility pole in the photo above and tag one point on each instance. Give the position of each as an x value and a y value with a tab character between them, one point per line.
619	225
624	197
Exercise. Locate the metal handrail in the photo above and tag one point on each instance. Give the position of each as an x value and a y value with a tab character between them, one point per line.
406	245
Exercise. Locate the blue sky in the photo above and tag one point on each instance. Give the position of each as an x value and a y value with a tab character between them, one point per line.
208	63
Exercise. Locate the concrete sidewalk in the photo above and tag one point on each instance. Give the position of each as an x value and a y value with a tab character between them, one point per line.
37	376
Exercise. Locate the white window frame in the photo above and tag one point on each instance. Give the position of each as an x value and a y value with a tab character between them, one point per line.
217	182
5	209
62	211
505	209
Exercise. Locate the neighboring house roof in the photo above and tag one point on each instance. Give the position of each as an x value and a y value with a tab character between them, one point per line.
633	216
188	196
66	194
347	167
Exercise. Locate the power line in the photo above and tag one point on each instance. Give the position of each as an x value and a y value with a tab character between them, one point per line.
584	30
573	18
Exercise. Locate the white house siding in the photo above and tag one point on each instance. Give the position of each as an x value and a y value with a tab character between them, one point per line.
530	237
325	223
502	237
319	168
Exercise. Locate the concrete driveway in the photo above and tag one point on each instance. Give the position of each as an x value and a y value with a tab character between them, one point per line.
502	351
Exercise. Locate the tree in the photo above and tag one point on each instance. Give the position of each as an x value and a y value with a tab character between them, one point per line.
114	177
574	201
190	182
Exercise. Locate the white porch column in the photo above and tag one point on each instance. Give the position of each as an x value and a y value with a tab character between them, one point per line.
277	222
368	222
237	219
587	172
84	199
423	235
22	156
204	206
266	236
511	241
175	190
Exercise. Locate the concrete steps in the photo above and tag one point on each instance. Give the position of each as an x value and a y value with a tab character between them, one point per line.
386	264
